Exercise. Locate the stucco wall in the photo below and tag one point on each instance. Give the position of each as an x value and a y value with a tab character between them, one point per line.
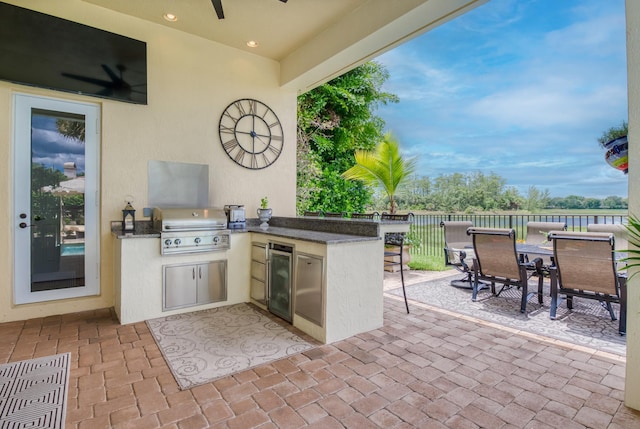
190	82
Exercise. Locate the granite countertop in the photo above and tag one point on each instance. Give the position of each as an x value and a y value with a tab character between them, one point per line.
318	230
309	235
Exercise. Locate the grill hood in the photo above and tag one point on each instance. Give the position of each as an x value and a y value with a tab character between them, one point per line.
189	219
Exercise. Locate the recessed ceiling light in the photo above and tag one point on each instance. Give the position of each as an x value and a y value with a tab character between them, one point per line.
170	17
252	44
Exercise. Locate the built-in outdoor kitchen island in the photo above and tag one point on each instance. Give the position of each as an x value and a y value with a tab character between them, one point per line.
335	277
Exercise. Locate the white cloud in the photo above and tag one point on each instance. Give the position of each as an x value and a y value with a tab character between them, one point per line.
509	89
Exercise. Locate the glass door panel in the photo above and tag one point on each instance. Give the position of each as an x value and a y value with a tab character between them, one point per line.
280	265
55	199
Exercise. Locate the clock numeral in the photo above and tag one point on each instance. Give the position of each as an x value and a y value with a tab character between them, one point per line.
274	124
278	138
240	108
230	145
239	157
254	161
228	114
274	150
253	107
227	130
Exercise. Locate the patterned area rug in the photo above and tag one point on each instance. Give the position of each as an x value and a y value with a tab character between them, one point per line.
588	324
33	392
203	346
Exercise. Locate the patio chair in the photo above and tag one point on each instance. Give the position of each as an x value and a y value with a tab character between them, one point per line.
370	216
537	231
620	234
395	240
458	250
334	214
585	267
537	235
497	261
312	214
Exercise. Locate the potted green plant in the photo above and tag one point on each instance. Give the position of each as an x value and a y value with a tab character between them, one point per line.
264	212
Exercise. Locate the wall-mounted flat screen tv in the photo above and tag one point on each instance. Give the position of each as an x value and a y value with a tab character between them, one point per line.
49	52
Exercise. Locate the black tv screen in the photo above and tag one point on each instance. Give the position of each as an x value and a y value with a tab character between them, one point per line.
49	52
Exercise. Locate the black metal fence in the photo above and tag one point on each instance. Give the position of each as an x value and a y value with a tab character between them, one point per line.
427	231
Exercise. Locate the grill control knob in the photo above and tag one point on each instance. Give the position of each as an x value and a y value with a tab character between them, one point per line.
167	242
216	240
197	240
177	241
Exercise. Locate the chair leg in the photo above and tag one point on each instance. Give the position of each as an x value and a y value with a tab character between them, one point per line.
611	312
524	282
525	296
622	325
404	291
554	294
474	294
540	284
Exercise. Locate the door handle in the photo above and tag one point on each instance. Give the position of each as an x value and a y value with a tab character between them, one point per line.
23	225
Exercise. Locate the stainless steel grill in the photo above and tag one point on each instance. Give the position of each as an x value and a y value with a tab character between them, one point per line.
191	230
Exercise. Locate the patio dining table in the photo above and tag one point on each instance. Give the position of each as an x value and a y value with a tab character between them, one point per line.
534	249
537	250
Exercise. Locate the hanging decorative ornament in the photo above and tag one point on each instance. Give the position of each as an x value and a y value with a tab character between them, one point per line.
617	153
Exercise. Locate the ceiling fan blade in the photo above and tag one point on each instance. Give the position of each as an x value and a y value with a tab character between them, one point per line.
114	77
217	5
283	1
87	79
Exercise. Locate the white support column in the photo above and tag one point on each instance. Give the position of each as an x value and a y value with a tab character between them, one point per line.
632	382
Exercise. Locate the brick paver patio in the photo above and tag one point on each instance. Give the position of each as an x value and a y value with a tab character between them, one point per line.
429	369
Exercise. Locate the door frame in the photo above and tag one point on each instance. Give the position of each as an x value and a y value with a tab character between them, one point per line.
21	203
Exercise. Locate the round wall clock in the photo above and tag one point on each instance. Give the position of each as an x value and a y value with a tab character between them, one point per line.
251	133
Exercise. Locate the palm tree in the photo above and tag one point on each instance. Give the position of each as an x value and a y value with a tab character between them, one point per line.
384	167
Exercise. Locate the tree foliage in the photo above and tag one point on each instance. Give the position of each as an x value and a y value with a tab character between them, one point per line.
72	128
335	120
384	167
42	176
470	192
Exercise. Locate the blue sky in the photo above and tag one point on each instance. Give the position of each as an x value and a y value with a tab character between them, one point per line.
520	88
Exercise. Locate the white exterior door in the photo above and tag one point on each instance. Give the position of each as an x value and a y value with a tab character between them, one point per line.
55	172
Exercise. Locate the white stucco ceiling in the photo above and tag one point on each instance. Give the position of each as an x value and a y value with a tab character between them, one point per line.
279	27
313	40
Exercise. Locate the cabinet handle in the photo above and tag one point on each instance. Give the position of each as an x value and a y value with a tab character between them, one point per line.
199	272
193	272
